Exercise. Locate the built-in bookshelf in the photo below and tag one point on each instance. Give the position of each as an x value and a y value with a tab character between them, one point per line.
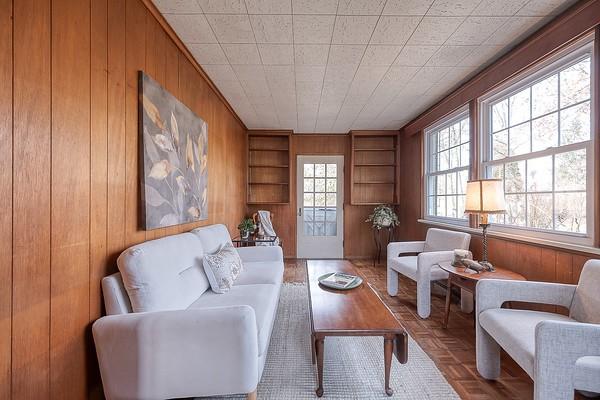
374	169
268	167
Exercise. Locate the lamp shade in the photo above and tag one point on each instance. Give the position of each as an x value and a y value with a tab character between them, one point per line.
485	196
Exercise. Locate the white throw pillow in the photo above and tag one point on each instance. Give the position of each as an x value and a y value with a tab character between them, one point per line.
222	268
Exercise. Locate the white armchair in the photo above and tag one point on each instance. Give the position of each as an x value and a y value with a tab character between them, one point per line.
560	353
438	246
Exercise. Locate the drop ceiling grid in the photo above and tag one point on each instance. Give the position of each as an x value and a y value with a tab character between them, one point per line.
336	65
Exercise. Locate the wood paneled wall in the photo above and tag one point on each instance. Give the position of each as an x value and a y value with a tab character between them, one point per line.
358	237
535	262
69	185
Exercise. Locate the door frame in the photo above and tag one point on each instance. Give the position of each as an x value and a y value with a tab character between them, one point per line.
341	185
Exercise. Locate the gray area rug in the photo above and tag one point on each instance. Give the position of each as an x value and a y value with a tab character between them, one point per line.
353	365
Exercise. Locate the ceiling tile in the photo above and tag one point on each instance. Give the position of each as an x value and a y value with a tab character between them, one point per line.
272	28
178	6
241	53
222	6
475	30
220	72
499	8
434	30
415	55
341	54
353	29
407	7
429	75
452	7
380	55
311	54
449	56
370	73
231	28
314	6
397	75
310	73
344	73
269	6
481	56
191	28
394	29
250	72
360	7
540	8
209	53
515	28
280	73
313	28
276	54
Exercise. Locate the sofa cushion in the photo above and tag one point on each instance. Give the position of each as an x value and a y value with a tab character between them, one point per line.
514	330
262	298
261	272
407	266
213	237
442	239
222	268
164	274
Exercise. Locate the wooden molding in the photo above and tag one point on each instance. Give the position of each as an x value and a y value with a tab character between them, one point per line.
572	24
181	46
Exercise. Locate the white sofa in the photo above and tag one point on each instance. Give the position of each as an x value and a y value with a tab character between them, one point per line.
167	335
560	353
439	246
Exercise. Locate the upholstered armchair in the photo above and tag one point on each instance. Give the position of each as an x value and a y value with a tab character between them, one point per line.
439	246
560	353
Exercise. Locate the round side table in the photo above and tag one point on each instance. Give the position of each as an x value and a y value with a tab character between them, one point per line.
467	279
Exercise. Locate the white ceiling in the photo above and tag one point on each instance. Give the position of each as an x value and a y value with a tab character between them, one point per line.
336	65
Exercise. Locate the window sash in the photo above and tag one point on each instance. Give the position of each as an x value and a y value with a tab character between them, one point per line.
558	64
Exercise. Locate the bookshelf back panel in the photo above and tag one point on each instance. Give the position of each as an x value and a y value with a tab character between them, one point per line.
258	157
374	142
271	175
374	174
268	142
374	157
268	193
377	194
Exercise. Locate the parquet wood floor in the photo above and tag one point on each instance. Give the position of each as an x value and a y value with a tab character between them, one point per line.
452	349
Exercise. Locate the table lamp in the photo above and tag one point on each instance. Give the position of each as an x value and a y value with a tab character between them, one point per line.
484	197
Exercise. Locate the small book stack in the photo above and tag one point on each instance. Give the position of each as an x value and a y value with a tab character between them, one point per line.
339	280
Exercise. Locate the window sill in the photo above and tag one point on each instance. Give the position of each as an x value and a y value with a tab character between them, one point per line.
518	238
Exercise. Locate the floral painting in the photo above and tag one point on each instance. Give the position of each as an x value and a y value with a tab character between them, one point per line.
174	148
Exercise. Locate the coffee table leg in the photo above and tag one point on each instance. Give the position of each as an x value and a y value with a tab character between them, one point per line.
388	348
319	345
448	296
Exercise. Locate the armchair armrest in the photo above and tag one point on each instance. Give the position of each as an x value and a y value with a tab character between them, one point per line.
558	346
492	293
184	353
260	253
396	248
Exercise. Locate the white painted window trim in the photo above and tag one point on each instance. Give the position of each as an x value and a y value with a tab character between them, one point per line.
446	121
572	241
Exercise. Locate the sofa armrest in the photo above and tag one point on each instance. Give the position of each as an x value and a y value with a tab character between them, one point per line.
396	248
260	253
558	346
492	293
186	353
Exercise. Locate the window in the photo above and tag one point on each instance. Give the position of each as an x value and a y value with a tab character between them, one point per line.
447	168
536	136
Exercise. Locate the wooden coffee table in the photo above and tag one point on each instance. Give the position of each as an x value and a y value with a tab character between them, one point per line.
355	312
467	279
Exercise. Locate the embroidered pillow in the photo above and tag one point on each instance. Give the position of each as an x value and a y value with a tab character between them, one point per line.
222	268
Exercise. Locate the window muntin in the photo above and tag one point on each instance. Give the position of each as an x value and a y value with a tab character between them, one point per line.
537	138
447	168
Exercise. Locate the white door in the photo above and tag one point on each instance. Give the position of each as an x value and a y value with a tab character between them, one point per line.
320	213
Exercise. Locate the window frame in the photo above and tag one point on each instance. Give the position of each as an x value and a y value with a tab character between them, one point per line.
445	122
559	61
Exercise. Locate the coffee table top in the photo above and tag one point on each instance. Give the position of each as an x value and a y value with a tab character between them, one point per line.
500	273
358	311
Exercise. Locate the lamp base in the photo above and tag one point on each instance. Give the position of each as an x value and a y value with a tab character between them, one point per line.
488	266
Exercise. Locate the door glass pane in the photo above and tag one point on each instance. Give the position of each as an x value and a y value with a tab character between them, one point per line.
331	229
319	185
319	214
320	199
309	170
332	170
331	185
309	199
319	229
320	170
331	215
309	185
331	199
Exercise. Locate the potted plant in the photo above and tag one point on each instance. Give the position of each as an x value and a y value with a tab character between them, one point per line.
246	227
383	216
